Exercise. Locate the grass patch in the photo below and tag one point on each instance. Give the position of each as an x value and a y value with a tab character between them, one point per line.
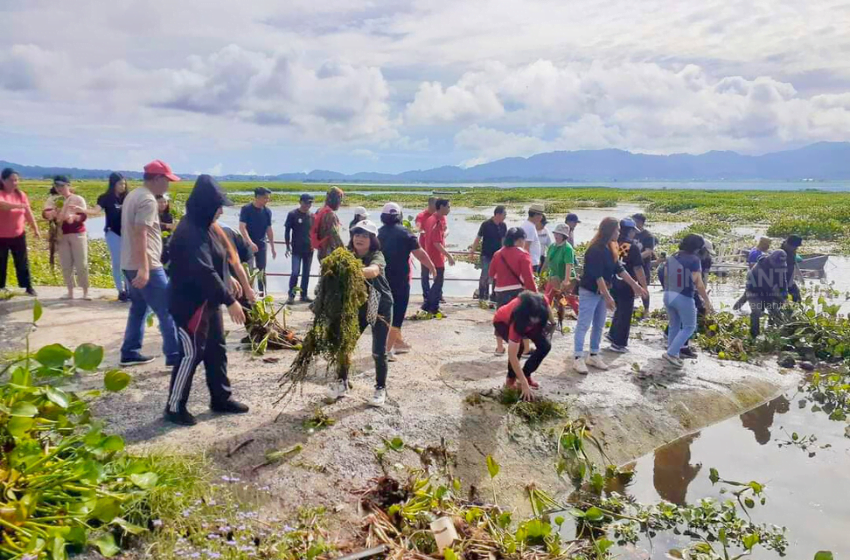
538	411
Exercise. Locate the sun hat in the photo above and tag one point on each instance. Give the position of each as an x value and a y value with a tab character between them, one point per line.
365	225
159	167
360	211
708	246
562	229
538	208
391	208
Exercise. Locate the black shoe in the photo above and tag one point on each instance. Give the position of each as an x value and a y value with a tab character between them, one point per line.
229	407
182	418
123	296
687	352
306	299
32	292
290	300
137	360
171	362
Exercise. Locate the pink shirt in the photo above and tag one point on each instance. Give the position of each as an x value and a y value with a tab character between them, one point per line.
12	221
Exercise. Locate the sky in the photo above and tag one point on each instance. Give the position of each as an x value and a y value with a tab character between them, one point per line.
264	86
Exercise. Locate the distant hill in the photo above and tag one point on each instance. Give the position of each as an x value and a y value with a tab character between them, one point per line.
821	161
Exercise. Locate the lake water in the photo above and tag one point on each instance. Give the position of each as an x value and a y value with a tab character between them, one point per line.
808	495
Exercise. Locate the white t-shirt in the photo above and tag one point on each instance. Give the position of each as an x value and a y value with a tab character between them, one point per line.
545	240
140	209
531	237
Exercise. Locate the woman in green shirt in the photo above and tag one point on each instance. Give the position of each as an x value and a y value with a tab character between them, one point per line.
560	261
366	247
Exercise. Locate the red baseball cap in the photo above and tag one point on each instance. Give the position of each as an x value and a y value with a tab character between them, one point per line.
159	167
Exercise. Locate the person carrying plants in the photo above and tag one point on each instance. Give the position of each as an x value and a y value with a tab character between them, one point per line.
435	246
296	235
624	297
325	232
561	265
512	272
200	284
377	311
601	265
682	276
68	212
419	222
14	211
489	239
397	245
141	254
255	224
526	317
767	289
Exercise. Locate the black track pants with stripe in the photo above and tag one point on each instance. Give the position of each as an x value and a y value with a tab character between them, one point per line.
201	340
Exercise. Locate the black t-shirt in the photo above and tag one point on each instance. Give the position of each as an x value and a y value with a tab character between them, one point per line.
111	205
396	244
646	240
599	262
257	221
491	235
298	226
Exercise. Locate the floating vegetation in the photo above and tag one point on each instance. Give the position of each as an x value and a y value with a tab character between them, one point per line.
265	331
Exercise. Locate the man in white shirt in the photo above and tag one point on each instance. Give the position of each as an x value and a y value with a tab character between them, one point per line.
532	242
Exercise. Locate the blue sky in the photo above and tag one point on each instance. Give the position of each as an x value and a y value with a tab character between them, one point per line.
267	86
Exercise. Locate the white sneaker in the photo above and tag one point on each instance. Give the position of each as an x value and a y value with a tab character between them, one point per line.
391	356
596	361
579	366
338	389
674	361
379	398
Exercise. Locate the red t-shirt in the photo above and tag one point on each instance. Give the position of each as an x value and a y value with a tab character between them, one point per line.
12	221
421	218
503	316
511	267
435	233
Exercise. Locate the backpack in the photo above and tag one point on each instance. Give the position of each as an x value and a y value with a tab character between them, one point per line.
315	242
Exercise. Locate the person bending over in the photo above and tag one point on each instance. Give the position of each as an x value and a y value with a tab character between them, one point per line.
527	317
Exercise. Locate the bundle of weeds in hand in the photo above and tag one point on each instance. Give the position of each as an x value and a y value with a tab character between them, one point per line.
342	291
265	332
65	484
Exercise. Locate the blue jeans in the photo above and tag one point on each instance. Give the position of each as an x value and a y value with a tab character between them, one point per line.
155	295
302	264
591	317
682	313
113	241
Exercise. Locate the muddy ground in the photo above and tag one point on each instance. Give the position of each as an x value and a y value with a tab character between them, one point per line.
451	360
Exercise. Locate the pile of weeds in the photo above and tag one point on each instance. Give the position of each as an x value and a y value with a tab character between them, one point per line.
266	327
538	411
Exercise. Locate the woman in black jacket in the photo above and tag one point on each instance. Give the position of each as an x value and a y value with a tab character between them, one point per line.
200	283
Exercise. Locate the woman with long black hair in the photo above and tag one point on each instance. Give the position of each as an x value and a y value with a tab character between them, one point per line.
110	203
203	259
526	317
14	211
601	265
377	311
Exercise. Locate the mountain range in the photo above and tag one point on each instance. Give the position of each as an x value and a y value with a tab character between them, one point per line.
819	162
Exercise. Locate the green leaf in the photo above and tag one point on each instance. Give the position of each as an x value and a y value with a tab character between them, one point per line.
53	355
492	466
750	503
24	409
456	485
824	555
149	320
559	520
602	546
396	444
129	527
449	554
594	514
58	548
116	380
88	356
713	476
113	443
106	509
37	311
106	545
749	541
57	396
19	426
144	481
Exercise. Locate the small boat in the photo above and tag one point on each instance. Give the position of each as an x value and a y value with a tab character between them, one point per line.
813	261
448	192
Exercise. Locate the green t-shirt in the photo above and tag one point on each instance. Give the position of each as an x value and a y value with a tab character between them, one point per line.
558	257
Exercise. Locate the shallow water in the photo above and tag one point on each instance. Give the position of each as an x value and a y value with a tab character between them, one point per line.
808	495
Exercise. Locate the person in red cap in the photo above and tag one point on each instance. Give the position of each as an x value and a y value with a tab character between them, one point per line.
141	253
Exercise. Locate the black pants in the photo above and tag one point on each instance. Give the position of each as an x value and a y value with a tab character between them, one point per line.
435	293
300	264
400	289
760	306
201	340
541	350
18	247
426	285
380	331
260	260
621	323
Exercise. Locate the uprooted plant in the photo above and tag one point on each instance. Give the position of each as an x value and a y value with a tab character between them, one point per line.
265	329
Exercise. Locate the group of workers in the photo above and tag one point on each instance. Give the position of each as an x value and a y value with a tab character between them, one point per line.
204	271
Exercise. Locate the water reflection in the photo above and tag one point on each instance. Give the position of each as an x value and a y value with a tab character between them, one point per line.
759	420
673	471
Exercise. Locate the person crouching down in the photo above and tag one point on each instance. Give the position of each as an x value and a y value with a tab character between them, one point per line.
377	311
200	283
526	317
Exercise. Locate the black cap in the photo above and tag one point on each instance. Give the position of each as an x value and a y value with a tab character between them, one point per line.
61	179
639	217
572	218
307	197
794	240
261	191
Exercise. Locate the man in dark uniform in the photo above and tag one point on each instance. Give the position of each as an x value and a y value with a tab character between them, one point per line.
297	238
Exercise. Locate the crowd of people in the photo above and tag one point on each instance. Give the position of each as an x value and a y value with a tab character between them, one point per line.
185	271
